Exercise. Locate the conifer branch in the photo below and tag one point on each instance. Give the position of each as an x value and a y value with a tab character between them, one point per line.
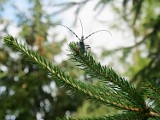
85	88
96	93
106	75
115	91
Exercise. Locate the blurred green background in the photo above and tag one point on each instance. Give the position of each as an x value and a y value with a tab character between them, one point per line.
133	50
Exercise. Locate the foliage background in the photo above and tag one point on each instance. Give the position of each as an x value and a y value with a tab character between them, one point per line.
28	93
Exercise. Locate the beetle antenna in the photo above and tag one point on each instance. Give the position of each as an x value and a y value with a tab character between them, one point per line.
70	30
97	32
81	26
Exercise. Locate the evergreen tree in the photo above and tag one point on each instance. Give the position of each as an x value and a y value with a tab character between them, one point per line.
113	90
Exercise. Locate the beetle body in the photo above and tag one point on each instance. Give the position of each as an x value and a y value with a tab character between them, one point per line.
81	46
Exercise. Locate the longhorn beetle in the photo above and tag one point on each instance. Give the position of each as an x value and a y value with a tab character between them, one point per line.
81	44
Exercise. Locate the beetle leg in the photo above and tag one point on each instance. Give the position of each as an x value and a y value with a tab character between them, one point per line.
87	48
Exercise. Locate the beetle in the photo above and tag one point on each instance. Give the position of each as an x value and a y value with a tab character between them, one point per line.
81	43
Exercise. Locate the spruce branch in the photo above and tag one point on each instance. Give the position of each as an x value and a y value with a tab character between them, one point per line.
115	91
84	88
106	75
96	93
